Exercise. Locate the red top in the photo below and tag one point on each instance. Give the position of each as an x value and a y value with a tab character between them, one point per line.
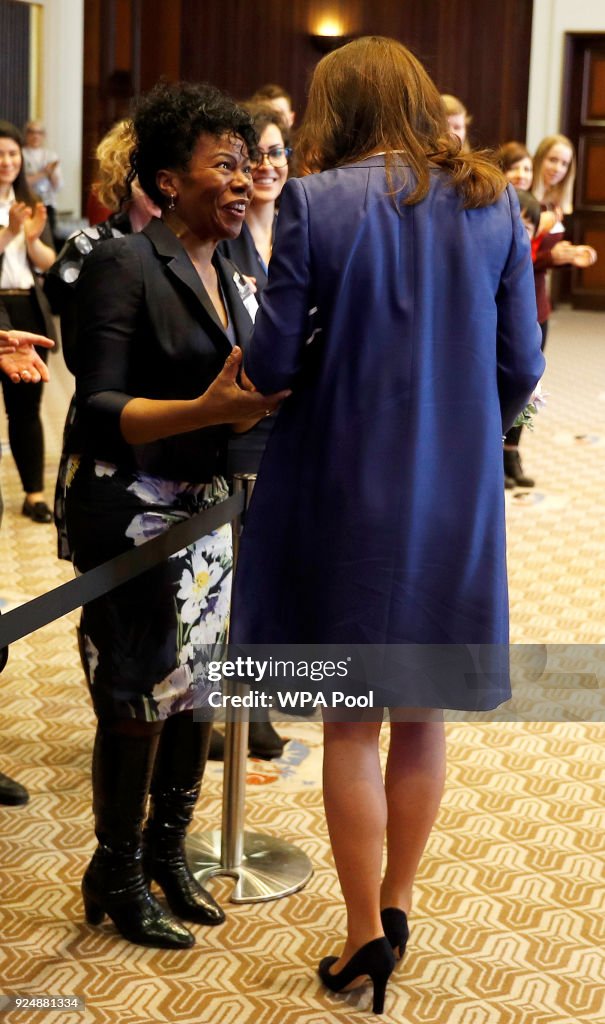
541	253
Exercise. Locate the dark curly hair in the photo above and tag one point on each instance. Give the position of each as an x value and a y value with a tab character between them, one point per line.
168	121
23	192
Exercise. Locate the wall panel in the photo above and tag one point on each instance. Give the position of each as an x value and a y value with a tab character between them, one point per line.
14	62
476	50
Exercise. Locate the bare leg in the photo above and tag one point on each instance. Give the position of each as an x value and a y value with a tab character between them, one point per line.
356	812
414	781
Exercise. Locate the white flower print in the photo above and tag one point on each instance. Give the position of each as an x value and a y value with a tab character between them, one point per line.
104	468
171	690
145	526
155	490
198	579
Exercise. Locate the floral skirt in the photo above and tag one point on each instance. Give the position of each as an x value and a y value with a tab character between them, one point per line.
146	644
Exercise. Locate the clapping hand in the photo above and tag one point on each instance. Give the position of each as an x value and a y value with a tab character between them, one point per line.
18	214
584	256
34	224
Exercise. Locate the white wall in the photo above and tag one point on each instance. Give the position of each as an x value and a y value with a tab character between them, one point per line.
62	87
551	19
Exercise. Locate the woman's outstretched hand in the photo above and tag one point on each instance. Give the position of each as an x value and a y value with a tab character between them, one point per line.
24	365
19	359
12	340
226	401
144	420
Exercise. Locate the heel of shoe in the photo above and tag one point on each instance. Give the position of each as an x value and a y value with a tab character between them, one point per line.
375	959
93	911
380	986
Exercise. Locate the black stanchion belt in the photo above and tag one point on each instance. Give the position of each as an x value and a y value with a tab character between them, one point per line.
103	578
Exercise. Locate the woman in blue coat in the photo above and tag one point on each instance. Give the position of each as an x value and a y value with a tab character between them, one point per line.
401	311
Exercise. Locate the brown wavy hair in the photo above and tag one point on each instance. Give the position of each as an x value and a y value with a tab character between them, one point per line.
511	153
374	96
263	115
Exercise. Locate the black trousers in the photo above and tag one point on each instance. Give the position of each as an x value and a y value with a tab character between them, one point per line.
22	401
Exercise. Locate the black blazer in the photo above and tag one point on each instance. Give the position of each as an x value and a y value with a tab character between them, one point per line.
147	329
243	252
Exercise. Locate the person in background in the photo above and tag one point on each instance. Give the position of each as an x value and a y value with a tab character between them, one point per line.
458	118
43	171
20	361
549	249
251	253
25	252
275	96
251	250
377	518
554	175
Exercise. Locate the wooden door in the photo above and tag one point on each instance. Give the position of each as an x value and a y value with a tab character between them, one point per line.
583	121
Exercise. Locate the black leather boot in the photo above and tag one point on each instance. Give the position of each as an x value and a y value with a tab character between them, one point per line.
175	787
12	793
114	882
514	469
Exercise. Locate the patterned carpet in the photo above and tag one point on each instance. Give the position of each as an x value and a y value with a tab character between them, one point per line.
509	923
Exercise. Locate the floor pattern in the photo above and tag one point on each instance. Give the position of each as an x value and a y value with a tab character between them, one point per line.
509	923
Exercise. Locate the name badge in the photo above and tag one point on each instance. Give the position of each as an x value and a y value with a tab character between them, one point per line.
246	295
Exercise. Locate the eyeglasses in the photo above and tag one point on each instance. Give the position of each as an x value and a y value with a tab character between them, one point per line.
277	156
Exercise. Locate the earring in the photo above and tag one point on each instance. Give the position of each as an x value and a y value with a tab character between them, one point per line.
172	201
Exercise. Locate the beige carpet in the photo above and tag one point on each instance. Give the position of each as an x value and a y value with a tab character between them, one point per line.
509	923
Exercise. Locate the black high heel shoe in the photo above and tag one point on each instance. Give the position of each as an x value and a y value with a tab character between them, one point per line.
375	959
395	926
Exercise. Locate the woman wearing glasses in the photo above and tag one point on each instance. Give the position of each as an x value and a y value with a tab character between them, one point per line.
251	252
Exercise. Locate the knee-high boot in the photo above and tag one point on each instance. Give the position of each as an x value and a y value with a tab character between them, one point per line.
175	787
114	882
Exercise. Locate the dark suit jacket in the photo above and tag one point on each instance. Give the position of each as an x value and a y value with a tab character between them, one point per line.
147	329
243	252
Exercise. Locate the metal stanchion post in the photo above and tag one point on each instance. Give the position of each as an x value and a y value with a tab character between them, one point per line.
264	867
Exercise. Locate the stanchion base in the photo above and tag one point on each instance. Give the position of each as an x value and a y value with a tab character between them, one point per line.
270	868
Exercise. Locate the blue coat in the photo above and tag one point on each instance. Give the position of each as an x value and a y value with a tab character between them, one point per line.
378	514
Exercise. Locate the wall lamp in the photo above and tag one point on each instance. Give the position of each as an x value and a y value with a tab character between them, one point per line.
329	35
326	43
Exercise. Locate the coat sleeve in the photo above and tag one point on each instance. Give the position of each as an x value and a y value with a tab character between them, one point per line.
276	350
520	360
109	297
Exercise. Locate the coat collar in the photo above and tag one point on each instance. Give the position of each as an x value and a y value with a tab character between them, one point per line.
170	250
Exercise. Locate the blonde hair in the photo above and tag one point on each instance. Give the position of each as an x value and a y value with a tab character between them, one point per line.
561	194
454	106
113	155
373	95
